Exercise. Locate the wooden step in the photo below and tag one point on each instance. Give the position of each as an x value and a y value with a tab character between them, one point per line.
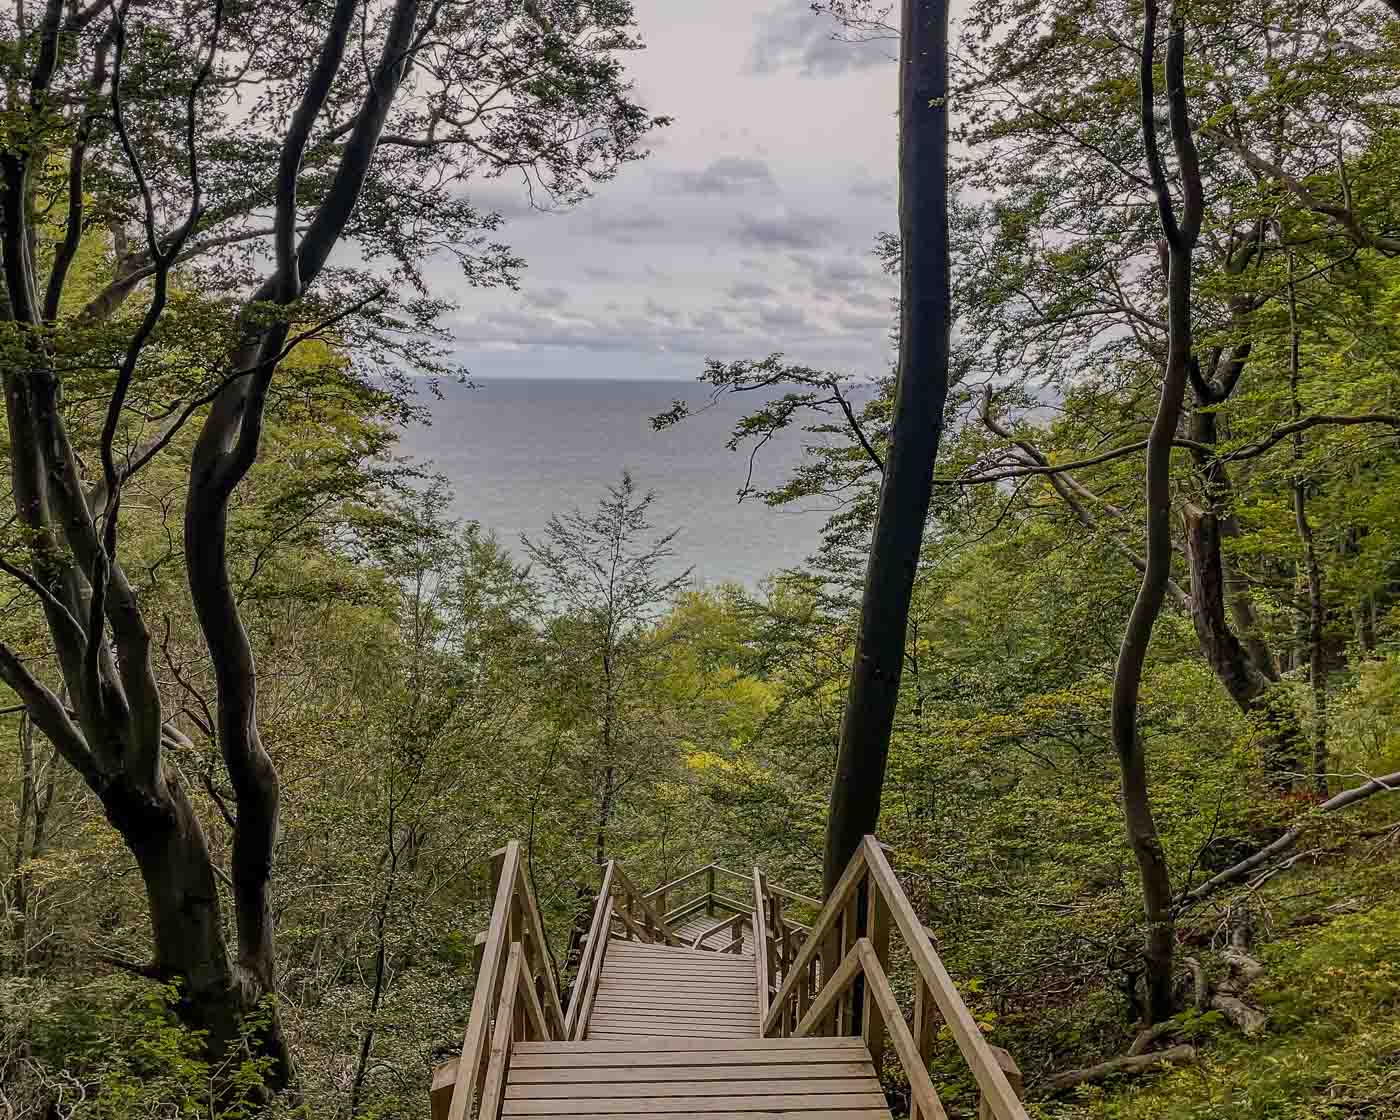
668	1078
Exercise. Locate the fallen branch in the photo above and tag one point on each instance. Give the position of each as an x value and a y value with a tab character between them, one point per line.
1389	783
1129	1066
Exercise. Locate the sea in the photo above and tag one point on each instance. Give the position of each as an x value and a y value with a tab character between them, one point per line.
518	450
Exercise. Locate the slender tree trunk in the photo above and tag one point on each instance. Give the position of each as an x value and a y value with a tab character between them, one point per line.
1317	668
1179	242
921	391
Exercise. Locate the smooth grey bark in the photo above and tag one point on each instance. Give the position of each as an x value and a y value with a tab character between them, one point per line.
921	391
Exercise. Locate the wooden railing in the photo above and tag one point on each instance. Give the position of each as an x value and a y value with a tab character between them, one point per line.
516	998
622	911
697	891
837	983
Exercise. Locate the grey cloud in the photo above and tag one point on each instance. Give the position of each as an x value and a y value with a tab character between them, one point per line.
866	299
708	321
841	276
792	35
662	314
728	176
629	228
781	315
547	297
856	322
597	272
748	289
788	232
879	189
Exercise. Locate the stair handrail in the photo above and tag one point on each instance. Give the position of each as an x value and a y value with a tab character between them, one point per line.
515	972
763	969
819	992
586	979
653	924
617	900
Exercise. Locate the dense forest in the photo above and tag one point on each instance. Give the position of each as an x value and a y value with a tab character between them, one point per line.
269	707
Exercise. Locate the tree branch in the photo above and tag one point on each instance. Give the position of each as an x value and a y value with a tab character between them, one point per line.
1389	783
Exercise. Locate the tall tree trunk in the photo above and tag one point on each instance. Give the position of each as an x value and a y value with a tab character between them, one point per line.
1317	668
1180	240
921	391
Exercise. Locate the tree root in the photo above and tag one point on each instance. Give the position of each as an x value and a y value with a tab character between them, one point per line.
1130	1065
1250	1020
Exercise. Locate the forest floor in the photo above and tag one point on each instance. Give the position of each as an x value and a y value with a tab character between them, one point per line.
1331	946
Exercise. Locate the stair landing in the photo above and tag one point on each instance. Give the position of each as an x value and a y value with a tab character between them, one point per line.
663	1078
657	991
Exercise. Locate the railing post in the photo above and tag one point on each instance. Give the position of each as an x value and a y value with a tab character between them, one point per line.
1013	1075
710	891
923	1031
877	929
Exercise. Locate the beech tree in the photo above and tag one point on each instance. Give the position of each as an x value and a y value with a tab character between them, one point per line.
920	391
254	175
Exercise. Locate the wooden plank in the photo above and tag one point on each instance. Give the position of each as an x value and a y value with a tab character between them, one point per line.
769	1044
997	1091
613	1035
647	951
789	1071
730	969
643	982
643	1028
644	1020
773	1087
761	1114
787	1102
675	997
620	964
718	1053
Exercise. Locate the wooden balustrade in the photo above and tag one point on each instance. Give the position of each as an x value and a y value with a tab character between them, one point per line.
516	997
619	911
836	983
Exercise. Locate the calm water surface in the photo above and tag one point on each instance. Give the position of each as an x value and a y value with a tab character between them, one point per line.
517	451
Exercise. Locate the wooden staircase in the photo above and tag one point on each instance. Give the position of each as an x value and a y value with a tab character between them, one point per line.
690	1001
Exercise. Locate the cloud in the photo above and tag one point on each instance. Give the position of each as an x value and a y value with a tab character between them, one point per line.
786	231
630	228
857	322
793	35
882	190
782	315
728	176
547	297
748	289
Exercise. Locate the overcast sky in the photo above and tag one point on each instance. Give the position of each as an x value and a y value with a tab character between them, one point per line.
749	229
